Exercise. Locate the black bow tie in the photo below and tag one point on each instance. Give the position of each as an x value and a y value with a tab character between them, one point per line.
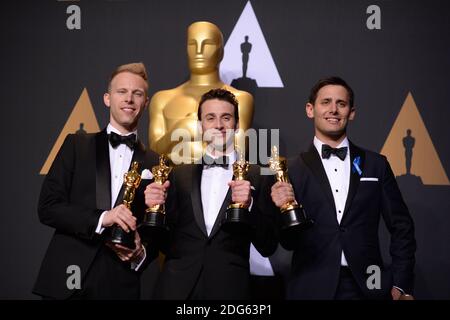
116	139
327	151
210	162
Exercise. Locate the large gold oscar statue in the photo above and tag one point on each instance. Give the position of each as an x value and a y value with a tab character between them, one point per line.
177	108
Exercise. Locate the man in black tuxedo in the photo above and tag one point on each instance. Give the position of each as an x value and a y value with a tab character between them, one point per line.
81	199
345	190
203	260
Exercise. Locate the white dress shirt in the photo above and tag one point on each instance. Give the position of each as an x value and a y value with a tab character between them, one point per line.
214	188
259	265
119	161
338	173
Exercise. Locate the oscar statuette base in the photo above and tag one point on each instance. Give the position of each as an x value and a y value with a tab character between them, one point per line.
118	236
237	221
153	226
293	222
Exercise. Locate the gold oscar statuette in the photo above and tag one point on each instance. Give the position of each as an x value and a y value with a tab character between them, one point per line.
293	214
131	181
237	218
173	112
155	215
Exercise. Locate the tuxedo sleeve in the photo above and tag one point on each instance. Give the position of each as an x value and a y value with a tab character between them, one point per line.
151	245
151	253
171	206
401	227
263	214
55	207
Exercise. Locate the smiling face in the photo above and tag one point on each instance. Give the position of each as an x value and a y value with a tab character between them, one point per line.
204	47
331	112
218	124
127	99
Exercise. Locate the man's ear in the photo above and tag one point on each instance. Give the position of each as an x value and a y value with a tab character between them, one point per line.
352	114
309	108
106	99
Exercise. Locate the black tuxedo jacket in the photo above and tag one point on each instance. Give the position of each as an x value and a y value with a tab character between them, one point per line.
75	192
199	266
317	251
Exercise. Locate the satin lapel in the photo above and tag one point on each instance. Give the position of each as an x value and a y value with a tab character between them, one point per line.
354	175
221	214
313	161
227	201
196	197
103	171
138	155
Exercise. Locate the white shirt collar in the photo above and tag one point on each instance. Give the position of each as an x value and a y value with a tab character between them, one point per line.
110	129
232	157
318	144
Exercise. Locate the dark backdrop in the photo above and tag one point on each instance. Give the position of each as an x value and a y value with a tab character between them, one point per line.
45	66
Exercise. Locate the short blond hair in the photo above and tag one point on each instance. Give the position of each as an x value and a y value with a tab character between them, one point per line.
137	68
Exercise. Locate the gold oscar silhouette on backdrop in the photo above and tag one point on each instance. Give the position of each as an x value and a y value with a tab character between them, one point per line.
177	108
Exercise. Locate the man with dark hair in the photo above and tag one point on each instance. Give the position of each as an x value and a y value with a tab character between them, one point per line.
223	95
203	261
81	199
345	190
